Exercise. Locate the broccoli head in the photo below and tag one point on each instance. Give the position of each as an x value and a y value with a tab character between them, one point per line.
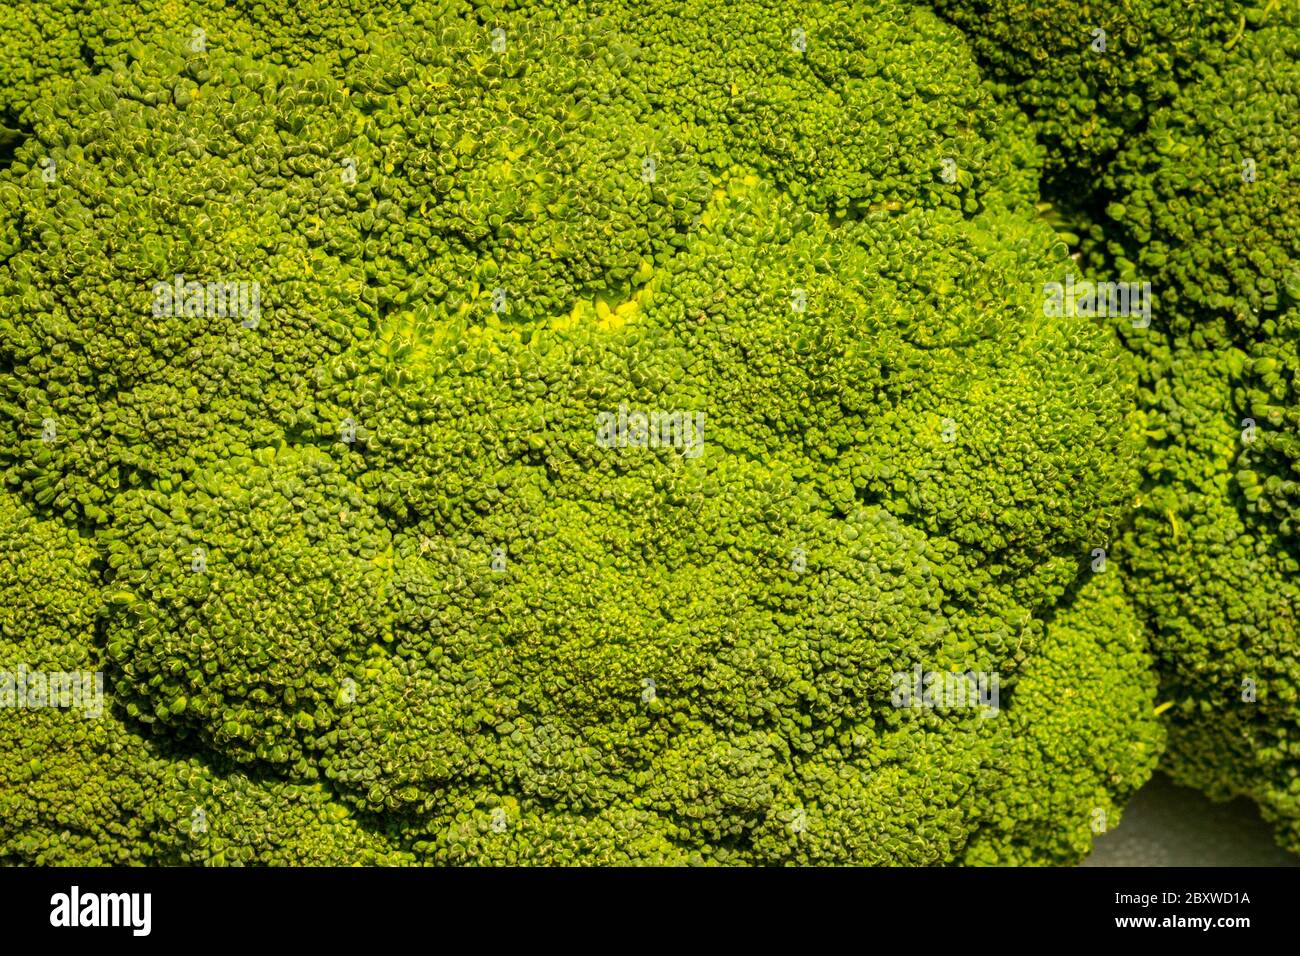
1205	207
630	433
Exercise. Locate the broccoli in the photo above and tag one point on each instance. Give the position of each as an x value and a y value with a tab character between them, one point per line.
618	421
50	43
1090	75
1179	133
1093	650
83	787
1206	206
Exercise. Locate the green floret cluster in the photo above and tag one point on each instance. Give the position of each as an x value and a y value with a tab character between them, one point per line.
1090	74
1199	198
475	434
47	44
82	786
1094	651
1210	209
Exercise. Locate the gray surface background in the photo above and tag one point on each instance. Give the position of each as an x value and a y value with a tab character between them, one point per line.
1168	825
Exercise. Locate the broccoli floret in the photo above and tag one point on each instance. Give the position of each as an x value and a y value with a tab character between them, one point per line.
126	373
262	576
1093	663
1218	589
1090	74
1218	162
825	102
90	791
1180	129
80	785
49	582
129	364
1205	207
45	45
